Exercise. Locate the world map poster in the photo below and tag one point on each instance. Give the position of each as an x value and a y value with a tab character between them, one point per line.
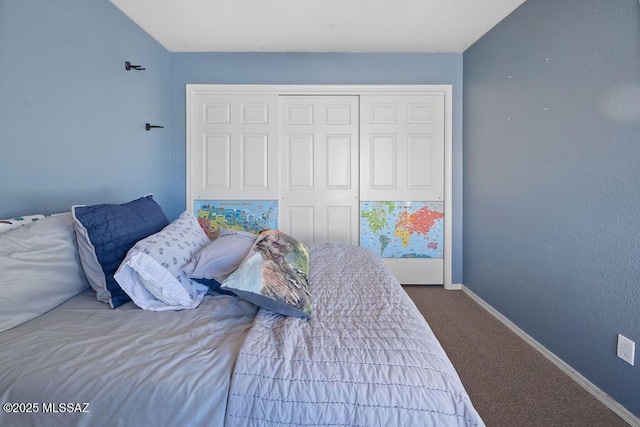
403	229
248	215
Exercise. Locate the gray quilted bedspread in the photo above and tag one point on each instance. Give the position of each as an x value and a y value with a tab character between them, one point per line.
367	358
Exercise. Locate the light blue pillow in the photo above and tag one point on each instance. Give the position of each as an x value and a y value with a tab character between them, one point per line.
221	257
151	273
274	275
40	269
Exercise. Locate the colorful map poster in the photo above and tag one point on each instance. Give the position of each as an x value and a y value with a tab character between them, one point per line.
249	215
403	229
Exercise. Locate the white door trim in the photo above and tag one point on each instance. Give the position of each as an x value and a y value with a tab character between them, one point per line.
445	90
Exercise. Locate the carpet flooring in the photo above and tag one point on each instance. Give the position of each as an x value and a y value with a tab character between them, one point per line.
510	383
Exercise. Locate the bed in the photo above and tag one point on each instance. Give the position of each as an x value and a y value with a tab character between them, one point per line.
364	356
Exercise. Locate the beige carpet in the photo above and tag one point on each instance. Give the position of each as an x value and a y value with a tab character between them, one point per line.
509	382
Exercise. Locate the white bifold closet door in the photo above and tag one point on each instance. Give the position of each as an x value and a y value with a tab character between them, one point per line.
319	174
331	156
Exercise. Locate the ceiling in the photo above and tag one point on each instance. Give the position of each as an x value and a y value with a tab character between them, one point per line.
317	25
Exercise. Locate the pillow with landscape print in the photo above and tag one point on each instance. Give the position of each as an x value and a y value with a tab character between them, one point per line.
151	274
105	233
274	275
221	257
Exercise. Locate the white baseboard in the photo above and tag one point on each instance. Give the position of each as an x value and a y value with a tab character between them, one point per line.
453	287
603	397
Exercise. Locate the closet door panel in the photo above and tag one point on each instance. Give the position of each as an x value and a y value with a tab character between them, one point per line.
296	221
319	146
339	157
402	160
300	167
421	151
382	164
232	146
217	161
402	156
339	223
254	164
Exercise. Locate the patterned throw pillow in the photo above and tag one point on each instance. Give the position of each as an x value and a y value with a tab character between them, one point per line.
274	275
151	274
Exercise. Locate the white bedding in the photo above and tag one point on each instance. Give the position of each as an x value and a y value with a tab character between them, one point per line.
367	358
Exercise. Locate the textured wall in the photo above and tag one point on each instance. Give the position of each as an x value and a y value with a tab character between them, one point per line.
71	118
318	68
551	180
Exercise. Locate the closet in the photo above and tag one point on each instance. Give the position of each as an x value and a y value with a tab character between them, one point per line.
367	165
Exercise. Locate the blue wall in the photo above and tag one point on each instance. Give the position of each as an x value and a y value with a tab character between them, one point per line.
317	68
551	180
71	117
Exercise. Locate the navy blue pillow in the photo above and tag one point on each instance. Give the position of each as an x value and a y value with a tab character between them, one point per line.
105	233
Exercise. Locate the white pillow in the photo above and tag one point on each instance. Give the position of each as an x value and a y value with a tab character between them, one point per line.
151	274
19	221
40	269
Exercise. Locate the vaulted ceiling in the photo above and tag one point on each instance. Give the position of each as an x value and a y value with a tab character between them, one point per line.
317	25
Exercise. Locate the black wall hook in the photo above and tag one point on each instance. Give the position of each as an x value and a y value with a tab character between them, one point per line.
129	66
149	126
